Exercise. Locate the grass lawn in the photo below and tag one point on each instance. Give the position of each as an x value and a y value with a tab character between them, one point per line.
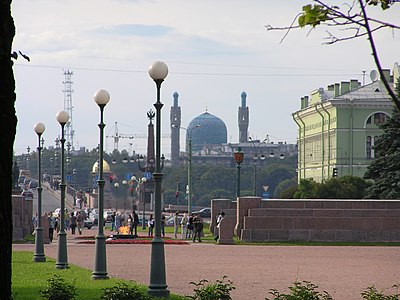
29	277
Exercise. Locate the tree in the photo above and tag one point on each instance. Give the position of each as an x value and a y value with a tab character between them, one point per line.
8	125
347	187
385	170
353	19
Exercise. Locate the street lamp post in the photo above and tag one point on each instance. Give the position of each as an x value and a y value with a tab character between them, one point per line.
141	188
62	255
190	154
39	248
238	156
158	71
255	158
101	97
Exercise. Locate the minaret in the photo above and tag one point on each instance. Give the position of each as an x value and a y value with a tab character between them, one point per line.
175	119
243	120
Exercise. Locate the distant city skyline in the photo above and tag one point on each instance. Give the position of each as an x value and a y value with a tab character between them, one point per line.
211	63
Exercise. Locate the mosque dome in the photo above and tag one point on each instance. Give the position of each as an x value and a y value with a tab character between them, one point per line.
106	167
206	129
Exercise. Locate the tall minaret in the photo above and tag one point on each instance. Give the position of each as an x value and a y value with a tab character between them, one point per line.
243	119
175	119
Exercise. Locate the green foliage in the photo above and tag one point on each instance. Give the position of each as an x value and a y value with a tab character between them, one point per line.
123	291
58	289
385	4
313	15
347	187
219	290
371	293
301	291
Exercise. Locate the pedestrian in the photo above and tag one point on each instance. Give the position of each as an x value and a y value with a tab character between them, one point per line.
130	224
176	224
135	223
163	225
117	222
52	224
81	221
184	224
73	222
190	227
113	221
219	219
198	227
151	224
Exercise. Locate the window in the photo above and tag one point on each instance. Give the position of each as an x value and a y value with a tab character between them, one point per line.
377	119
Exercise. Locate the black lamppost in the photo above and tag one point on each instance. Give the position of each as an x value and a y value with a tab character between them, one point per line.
62	256
101	97
39	248
158	71
238	156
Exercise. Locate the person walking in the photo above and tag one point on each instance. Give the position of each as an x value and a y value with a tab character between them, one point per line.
184	223
117	222
219	219
198	227
163	225
52	224
176	224
73	222
135	223
113	221
151	224
81	221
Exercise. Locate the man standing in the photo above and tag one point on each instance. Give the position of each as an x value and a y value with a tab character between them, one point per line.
198	227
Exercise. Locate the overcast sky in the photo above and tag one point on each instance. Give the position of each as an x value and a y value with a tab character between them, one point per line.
215	50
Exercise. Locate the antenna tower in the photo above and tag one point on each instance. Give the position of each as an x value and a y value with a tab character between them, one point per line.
68	107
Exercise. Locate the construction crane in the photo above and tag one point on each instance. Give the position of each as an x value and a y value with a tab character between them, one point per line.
118	136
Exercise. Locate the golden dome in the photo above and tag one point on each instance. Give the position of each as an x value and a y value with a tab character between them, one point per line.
106	167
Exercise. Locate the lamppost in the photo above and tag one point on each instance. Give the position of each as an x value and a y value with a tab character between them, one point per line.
39	248
62	256
190	153
158	71
101	97
255	158
238	156
141	186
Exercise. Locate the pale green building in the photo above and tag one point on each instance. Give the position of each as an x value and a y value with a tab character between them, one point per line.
338	126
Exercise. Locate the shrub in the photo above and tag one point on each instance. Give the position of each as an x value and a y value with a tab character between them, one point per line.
371	293
219	290
123	291
301	291
58	289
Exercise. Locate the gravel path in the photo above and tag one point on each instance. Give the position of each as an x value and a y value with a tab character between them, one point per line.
342	271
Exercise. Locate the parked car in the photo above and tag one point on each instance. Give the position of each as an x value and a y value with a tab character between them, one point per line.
94	216
88	223
108	215
204	212
28	194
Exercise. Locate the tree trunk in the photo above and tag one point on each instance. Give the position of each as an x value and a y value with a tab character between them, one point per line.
8	123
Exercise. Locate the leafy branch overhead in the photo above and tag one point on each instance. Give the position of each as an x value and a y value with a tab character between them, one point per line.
352	21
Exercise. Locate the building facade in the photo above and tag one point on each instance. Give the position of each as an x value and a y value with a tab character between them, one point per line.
338	126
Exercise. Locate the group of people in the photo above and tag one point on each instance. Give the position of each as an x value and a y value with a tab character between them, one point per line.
191	226
119	220
74	221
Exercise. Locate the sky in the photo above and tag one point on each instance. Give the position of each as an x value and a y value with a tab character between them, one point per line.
214	50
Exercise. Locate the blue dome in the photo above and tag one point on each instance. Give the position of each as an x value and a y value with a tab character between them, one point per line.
206	129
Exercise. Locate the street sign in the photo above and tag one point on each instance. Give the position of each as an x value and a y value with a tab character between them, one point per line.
147	175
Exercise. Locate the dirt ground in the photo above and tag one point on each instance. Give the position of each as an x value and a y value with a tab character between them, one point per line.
344	272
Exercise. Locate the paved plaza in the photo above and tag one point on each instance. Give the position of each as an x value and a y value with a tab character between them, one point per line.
342	271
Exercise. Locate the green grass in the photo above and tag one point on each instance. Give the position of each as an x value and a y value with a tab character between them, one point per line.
28	278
